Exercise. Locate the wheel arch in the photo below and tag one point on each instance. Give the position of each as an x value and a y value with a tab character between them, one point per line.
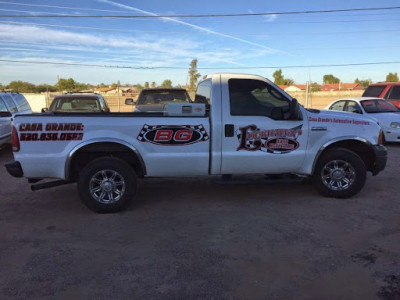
83	153
360	146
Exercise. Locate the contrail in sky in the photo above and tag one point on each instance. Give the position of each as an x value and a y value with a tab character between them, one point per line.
188	24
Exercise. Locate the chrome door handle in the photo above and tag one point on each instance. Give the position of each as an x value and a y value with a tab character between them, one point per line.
319	128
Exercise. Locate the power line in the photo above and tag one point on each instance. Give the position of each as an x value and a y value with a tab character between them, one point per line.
116	11
204	15
63	7
31	12
159	31
200	68
270	33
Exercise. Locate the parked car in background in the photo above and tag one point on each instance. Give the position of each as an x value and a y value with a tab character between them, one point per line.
10	105
386	90
78	103
154	100
385	113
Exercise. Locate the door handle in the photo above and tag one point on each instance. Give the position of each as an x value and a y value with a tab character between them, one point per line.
319	128
229	130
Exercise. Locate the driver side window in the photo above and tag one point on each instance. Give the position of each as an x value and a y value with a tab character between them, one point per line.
249	97
353	107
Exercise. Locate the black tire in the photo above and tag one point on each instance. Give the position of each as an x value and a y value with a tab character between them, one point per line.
106	185
339	173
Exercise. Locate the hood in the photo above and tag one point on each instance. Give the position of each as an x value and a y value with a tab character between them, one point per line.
384	119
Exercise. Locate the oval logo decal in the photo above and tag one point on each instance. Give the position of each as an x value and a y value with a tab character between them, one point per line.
282	144
173	135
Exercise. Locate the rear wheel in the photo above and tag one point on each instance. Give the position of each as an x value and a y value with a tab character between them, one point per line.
107	184
339	173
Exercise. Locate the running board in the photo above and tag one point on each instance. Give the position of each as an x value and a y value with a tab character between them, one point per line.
50	184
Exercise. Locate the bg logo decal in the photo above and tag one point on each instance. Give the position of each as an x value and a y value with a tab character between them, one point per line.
173	135
277	141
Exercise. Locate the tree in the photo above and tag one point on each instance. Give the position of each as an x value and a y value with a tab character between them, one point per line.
138	87
392	77
278	77
146	85
167	84
280	80
21	87
364	83
68	85
41	88
193	75
329	78
153	85
315	87
288	81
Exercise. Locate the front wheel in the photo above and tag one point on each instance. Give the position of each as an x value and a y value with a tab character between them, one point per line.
339	173
106	185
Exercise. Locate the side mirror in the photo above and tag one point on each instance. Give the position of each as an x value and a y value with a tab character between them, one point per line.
5	114
129	101
200	99
106	110
277	113
45	109
357	111
294	110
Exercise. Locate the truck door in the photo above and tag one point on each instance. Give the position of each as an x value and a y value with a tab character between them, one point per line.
259	135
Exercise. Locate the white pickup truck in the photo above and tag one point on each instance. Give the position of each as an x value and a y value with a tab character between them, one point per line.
241	124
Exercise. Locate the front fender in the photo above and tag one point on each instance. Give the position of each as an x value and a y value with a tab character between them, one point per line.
348	142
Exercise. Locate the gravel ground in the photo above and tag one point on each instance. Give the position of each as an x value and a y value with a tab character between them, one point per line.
198	239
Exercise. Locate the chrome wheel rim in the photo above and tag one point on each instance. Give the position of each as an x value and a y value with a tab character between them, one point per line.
107	186
338	175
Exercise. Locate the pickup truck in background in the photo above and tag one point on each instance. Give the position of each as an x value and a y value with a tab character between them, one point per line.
389	91
154	100
78	102
250	126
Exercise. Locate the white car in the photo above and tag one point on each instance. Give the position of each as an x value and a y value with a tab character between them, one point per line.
10	105
380	110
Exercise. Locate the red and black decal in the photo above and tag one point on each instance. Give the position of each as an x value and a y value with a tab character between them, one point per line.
276	141
172	135
283	145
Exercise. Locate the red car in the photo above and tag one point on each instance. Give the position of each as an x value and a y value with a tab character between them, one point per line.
386	90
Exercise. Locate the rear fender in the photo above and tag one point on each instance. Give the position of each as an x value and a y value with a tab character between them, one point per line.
100	140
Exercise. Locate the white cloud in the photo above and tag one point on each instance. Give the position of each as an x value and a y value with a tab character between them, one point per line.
196	27
152	49
270	18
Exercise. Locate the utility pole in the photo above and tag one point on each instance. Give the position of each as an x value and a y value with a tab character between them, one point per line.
307	92
119	105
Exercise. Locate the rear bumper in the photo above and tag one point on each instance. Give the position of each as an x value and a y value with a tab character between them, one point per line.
380	152
14	169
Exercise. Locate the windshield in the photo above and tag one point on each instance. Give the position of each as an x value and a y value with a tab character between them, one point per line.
374	91
162	97
75	104
378	106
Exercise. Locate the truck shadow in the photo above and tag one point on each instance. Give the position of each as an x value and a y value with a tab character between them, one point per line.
244	189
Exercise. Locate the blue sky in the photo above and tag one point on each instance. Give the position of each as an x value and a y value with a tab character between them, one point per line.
220	43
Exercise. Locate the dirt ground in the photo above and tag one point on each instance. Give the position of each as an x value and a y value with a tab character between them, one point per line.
199	239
